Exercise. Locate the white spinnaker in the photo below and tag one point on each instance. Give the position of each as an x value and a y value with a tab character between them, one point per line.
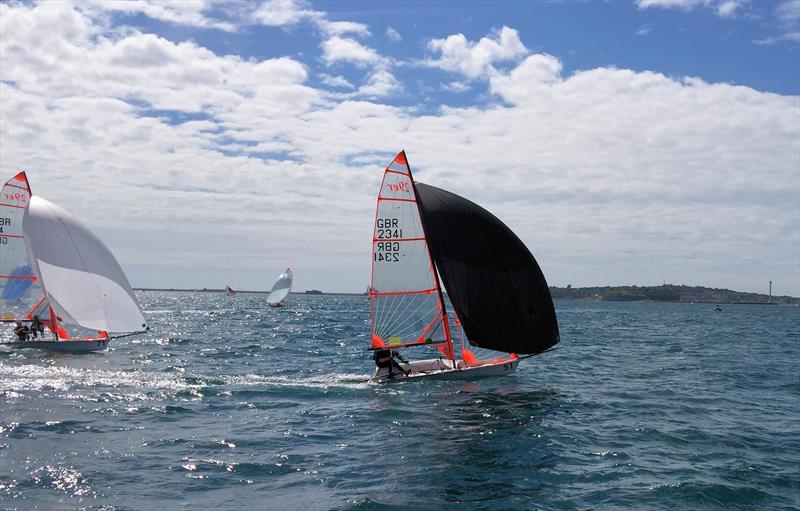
18	292
281	288
406	306
83	281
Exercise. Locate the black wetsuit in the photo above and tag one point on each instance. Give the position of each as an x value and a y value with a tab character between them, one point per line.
385	359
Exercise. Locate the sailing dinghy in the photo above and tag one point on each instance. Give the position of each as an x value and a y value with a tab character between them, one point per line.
229	291
80	281
280	289
502	305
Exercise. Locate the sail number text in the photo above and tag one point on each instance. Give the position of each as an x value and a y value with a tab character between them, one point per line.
387	251
387	228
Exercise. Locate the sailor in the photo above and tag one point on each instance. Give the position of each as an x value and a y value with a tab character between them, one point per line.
21	331
386	359
36	327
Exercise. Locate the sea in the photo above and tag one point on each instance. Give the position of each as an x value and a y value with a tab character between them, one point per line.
229	404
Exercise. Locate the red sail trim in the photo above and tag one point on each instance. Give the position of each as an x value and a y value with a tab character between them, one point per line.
24	277
394	198
17	186
397	172
12	205
11	236
395	293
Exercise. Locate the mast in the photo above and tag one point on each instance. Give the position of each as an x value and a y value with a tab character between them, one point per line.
445	319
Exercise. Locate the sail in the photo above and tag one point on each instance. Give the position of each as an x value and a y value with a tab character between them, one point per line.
83	281
229	291
18	291
497	289
281	289
405	298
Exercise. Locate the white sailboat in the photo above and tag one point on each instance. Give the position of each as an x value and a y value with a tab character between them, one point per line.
500	298
280	289
81	282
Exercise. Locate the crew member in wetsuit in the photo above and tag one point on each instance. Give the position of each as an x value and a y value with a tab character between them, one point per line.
21	331
385	358
37	328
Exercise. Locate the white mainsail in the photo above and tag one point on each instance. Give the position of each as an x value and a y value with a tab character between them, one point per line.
281	288
83	281
405	297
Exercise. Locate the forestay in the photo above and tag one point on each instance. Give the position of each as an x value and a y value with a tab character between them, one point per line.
17	289
405	298
281	288
82	280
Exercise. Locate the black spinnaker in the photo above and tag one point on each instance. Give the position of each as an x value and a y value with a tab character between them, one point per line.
496	287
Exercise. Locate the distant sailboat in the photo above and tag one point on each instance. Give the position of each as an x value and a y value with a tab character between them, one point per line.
281	289
229	291
80	281
501	299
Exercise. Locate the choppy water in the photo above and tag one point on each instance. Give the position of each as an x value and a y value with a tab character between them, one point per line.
230	405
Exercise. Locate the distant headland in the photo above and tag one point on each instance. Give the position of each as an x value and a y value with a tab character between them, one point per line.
664	293
668	293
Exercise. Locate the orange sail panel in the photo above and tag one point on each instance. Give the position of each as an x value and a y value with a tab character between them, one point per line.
405	297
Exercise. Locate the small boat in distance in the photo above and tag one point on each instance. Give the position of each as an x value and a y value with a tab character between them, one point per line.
229	291
499	295
79	281
281	289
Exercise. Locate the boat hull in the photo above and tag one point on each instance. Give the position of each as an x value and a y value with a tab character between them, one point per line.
443	369
66	346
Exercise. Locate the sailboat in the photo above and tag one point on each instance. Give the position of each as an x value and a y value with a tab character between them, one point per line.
229	291
502	308
280	289
78	280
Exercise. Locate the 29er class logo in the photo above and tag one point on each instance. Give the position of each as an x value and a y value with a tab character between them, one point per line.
400	186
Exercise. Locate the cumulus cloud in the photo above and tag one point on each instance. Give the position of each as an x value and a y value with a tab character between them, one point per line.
342	49
723	8
335	81
278	13
476	59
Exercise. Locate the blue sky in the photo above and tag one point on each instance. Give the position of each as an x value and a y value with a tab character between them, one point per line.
211	142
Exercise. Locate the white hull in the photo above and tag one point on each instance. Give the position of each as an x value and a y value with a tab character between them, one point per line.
442	369
68	346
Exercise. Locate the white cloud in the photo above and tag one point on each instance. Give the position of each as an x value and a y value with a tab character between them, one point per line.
341	49
335	81
728	8
645	30
456	87
393	35
476	59
344	27
279	13
671	4
381	83
181	12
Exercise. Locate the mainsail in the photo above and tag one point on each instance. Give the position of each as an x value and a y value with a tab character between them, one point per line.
281	289
498	291
406	302
84	283
229	291
17	289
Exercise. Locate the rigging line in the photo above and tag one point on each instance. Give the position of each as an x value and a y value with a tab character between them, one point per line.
130	334
534	354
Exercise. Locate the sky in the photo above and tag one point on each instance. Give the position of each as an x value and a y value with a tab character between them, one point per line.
211	143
